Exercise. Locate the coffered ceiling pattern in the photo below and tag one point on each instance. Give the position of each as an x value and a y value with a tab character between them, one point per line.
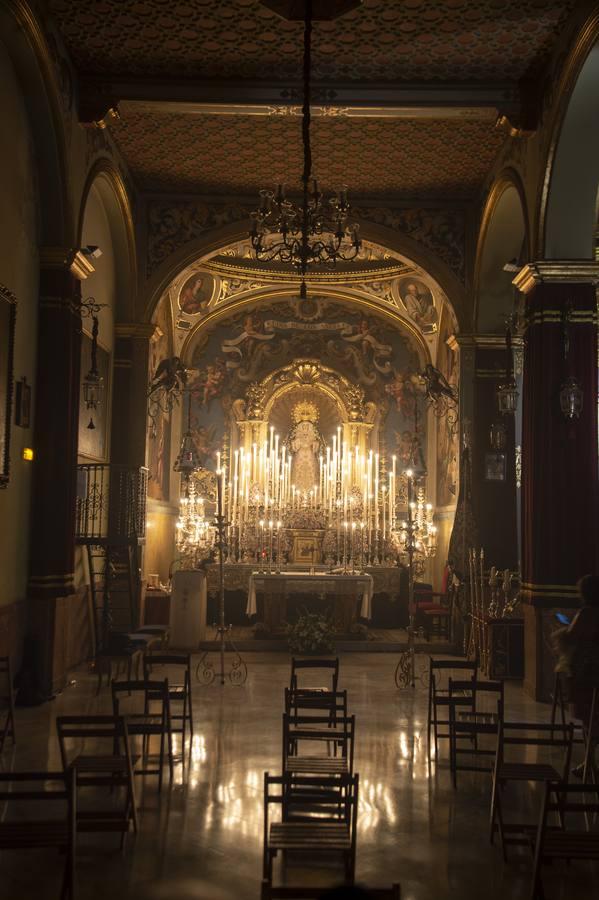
240	155
383	40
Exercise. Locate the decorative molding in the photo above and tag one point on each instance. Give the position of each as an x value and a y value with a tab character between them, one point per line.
546	271
484	341
173	223
76	261
136	330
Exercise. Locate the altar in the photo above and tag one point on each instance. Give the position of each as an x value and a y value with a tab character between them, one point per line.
346	597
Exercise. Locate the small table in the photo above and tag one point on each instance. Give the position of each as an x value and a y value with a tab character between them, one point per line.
350	593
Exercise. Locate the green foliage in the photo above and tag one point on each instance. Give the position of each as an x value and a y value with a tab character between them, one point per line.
312	633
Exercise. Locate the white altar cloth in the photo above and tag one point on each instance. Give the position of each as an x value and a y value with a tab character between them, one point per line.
321	582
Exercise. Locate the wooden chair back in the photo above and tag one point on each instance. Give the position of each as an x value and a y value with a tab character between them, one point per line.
181	660
570	841
81	729
28	832
494	691
535	734
313	799
322	730
332	702
323	666
146	691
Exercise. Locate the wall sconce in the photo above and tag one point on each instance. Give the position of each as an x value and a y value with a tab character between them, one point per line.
498	437
507	393
93	383
571	395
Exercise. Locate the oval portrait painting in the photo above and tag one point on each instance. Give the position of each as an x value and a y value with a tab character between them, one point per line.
418	301
196	293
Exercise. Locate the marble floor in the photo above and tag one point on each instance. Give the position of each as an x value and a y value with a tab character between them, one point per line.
202	837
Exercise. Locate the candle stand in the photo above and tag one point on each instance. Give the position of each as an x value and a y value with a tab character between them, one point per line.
205	671
419	538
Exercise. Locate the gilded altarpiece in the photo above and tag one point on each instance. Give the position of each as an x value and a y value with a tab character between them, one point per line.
308	372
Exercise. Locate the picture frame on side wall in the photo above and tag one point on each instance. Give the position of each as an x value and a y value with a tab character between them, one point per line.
8	318
23	403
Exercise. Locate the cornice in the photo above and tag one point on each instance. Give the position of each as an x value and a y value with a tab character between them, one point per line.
556	271
483	341
145	330
76	261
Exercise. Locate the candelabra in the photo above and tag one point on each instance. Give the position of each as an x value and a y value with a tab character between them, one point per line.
205	670
352	500
194	536
417	538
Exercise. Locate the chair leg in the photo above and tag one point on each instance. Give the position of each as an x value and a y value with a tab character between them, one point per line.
190	700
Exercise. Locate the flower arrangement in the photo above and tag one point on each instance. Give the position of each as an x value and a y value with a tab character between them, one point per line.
312	633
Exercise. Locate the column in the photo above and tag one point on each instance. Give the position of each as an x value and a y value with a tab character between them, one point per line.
560	485
494	494
56	395
129	395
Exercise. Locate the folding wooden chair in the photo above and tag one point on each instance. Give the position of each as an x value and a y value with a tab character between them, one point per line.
315	702
312	892
525	735
178	692
438	695
320	730
7	699
147	724
327	823
26	833
323	666
95	769
472	724
563	842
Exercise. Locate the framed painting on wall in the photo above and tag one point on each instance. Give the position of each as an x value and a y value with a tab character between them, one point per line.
93	442
8	315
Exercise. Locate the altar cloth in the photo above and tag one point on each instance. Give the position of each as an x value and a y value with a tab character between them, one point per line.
303	582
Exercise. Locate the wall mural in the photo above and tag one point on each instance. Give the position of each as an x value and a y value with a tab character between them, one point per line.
447	438
380	362
196	293
418	301
159	427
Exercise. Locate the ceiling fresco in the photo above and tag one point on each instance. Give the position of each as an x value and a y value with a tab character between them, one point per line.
240	155
384	40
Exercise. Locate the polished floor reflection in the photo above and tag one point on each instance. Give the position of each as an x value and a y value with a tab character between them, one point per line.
202	837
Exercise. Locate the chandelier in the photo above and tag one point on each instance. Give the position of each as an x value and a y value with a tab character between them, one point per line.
318	231
194	532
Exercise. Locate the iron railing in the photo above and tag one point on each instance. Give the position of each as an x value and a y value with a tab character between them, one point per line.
111	503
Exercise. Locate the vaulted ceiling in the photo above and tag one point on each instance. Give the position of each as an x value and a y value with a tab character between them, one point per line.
383	40
409	90
237	155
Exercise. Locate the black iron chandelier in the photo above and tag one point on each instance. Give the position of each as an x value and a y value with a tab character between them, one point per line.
318	232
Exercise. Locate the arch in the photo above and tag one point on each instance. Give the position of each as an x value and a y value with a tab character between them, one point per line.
568	200
215	239
28	50
504	236
362	302
106	179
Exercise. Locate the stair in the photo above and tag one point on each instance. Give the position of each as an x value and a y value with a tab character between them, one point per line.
114	586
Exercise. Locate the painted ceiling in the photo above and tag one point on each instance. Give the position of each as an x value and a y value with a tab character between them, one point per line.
240	155
383	40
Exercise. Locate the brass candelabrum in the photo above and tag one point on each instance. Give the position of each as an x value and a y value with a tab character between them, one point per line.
405	671
205	671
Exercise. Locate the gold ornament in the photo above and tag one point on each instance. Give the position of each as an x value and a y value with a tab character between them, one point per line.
305	411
